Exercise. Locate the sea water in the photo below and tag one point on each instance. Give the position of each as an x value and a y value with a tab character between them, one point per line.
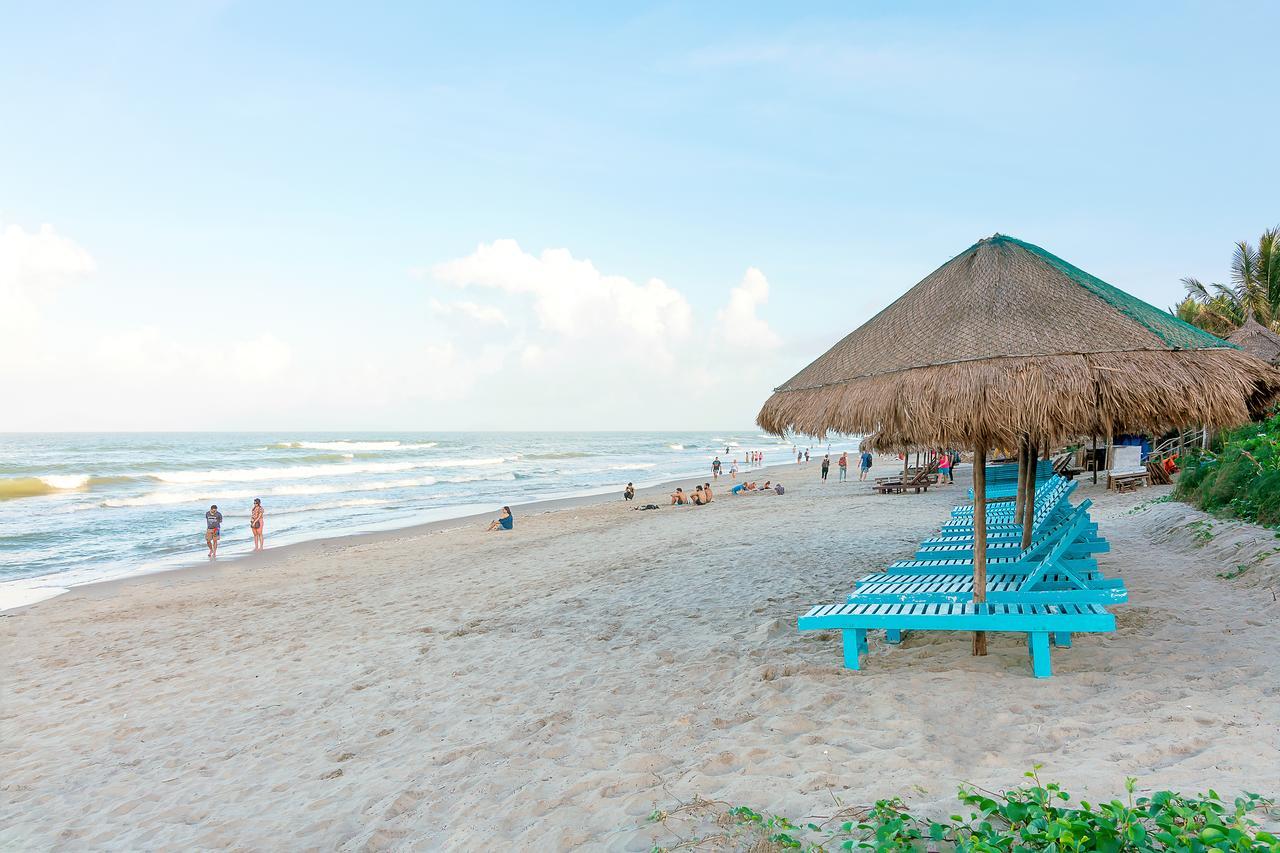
81	507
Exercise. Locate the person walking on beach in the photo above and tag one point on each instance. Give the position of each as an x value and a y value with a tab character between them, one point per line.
826	466
944	468
257	523
733	470
843	464
715	468
506	521
212	530
806	455
864	463
799	457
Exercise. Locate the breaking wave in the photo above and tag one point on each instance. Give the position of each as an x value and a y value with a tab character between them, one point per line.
352	446
30	487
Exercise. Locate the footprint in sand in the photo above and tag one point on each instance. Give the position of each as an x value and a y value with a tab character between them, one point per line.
407	801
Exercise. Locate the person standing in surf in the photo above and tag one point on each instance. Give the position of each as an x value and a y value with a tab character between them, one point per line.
258	523
212	530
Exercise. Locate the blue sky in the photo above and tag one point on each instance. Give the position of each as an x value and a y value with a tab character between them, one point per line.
293	215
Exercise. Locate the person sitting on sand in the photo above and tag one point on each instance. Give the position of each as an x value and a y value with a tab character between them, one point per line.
506	521
706	491
629	493
698	497
778	489
678	497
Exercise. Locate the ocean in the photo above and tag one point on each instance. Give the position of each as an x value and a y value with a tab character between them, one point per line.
82	507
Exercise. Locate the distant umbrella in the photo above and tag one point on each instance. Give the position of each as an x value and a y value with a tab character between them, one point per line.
1257	340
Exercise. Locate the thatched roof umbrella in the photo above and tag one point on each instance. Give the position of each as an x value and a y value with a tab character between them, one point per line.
1007	345
1256	339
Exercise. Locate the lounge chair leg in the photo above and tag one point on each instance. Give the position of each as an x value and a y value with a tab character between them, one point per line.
855	646
1040	662
1062	639
893	635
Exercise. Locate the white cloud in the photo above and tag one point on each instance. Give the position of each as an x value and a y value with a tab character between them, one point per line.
485	315
573	300
33	266
582	346
539	341
738	323
42	257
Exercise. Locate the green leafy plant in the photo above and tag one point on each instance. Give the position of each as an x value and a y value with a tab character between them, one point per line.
1034	816
1241	478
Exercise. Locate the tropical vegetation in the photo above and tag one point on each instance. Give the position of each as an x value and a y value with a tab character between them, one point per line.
1239	475
1255	288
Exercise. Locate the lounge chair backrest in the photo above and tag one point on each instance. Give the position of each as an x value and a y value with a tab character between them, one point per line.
1048	540
1051	505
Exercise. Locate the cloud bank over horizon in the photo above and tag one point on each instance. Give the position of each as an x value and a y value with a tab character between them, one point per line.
501	338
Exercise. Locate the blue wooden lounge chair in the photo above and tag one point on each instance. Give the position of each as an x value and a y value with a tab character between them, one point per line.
1084	542
1038	621
1010	557
1049	580
957	532
1082	547
879	588
1006	508
1047	495
1002	480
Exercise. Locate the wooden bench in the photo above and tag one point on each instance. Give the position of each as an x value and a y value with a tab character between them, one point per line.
1038	621
1127	482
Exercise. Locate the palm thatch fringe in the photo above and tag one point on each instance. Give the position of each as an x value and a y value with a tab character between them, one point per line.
997	401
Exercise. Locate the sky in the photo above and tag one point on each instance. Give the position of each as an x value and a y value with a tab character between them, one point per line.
295	215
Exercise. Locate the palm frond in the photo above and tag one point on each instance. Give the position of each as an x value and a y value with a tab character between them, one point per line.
1195	289
1244	267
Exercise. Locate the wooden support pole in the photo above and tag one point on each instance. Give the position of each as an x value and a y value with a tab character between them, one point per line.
1029	505
1022	479
980	539
1095	459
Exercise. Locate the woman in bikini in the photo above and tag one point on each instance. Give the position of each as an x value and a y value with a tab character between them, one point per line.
257	523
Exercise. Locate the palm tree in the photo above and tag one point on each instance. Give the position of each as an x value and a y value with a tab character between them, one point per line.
1255	289
1255	275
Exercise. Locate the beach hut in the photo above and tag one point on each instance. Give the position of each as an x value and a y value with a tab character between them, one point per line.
1257	340
1007	346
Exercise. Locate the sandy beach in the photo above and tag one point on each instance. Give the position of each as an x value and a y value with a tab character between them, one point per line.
452	689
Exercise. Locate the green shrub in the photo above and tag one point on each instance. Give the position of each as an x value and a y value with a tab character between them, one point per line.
1031	817
1241	476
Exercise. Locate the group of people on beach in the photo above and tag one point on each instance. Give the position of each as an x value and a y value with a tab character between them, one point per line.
703	495
700	496
752	458
213	527
769	486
